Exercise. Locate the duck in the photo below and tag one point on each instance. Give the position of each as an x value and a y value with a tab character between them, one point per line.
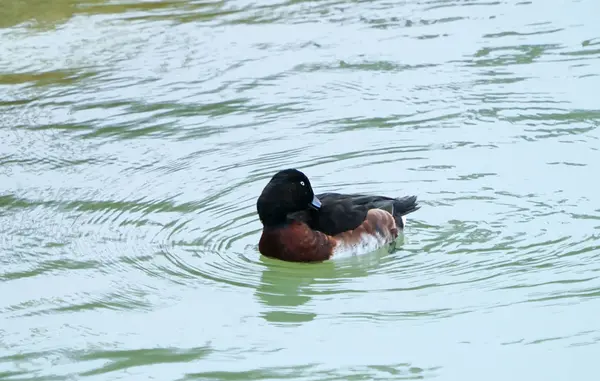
301	226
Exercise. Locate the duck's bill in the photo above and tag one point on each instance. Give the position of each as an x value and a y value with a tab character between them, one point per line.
316	203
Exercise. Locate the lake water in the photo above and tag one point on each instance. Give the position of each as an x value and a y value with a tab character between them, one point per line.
135	137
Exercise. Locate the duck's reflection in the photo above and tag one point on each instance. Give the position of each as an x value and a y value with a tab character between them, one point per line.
286	288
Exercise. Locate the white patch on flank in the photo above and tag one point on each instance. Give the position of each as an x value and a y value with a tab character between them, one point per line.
403	218
368	243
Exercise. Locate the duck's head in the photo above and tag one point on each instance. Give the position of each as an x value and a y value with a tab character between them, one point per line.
288	192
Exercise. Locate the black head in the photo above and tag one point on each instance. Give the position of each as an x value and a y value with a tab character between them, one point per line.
289	191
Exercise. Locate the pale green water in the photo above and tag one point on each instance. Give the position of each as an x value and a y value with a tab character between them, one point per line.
136	136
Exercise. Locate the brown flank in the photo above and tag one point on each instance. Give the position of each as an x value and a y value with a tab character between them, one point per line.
297	242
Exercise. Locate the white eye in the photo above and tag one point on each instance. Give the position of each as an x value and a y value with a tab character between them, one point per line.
302	183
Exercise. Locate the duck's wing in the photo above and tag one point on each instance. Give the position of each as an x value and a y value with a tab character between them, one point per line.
338	213
342	212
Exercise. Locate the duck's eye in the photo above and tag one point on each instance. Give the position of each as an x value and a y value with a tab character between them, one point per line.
302	183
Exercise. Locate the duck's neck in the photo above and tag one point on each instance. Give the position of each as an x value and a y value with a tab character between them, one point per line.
272	220
278	222
272	217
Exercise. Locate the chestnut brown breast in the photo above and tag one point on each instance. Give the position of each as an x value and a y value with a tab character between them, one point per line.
296	242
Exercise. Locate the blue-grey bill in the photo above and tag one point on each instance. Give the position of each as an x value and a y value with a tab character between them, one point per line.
316	203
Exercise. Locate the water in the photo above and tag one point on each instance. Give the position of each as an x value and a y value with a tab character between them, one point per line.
136	137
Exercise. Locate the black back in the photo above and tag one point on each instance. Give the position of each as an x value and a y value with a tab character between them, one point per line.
342	212
289	195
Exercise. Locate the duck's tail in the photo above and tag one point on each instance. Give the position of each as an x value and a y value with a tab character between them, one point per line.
404	206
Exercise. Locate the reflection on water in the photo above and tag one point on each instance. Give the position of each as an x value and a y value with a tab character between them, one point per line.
286	289
136	136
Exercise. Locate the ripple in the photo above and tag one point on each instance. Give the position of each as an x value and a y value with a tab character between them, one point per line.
137	136
100	236
374	372
218	254
434	261
121	360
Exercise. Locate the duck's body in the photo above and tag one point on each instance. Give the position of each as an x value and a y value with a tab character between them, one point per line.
300	226
343	212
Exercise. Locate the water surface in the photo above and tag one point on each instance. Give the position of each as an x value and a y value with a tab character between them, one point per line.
136	136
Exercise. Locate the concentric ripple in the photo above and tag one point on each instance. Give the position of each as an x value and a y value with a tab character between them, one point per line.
136	136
